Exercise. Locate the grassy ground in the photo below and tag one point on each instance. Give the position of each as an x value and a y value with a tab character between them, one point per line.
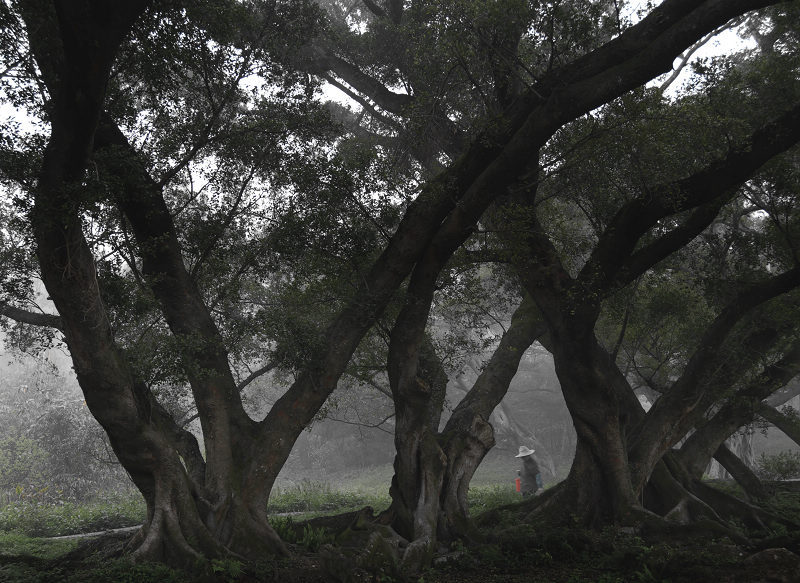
515	552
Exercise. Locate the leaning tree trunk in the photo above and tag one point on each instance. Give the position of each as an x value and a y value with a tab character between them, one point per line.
740	472
468	436
598	488
740	410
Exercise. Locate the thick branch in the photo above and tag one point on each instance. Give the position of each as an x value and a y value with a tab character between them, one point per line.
205	357
738	411
389	100
658	432
710	187
492	384
790	425
32	318
740	472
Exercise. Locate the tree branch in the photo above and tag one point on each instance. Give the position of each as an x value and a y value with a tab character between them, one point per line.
686	56
271	365
789	425
709	188
32	318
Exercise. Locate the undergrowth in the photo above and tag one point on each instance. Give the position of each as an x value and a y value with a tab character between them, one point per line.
513	552
13	544
312	496
40	519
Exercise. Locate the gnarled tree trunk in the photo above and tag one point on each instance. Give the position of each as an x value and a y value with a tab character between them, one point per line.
433	469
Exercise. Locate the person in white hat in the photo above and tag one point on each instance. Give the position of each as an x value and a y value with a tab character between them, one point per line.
531	477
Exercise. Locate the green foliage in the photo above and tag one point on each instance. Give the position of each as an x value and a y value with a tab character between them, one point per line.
785	503
13	544
284	527
313	538
320	497
228	570
51	449
123	571
310	496
116	570
481	499
36	519
22	466
780	466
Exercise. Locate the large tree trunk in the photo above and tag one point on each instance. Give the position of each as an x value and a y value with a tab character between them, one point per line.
419	388
465	443
433	470
237	516
602	407
187	518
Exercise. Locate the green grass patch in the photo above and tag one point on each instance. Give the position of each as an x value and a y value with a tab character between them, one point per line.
785	503
310	496
35	519
314	498
485	498
13	544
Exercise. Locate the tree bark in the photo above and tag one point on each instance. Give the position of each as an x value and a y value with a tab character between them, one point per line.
237	500
740	472
82	55
603	408
433	469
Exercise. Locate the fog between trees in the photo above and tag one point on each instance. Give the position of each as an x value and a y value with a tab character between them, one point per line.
231	258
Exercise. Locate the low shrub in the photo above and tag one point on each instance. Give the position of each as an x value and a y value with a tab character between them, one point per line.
284	528
780	466
484	498
313	538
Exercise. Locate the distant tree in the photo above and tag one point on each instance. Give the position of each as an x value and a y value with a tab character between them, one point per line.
53	450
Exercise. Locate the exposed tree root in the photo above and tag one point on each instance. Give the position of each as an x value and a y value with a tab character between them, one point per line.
175	533
733	509
674	505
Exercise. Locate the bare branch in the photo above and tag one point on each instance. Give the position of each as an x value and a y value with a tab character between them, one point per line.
686	56
271	365
33	318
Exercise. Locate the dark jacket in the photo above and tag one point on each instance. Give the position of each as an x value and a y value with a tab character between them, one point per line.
531	479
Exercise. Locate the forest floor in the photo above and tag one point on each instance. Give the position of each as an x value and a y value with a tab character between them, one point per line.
512	553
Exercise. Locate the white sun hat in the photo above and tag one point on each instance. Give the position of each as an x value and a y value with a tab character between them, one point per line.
523	451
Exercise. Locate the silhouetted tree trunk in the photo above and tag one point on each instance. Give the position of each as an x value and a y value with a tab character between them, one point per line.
619	447
77	43
433	469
